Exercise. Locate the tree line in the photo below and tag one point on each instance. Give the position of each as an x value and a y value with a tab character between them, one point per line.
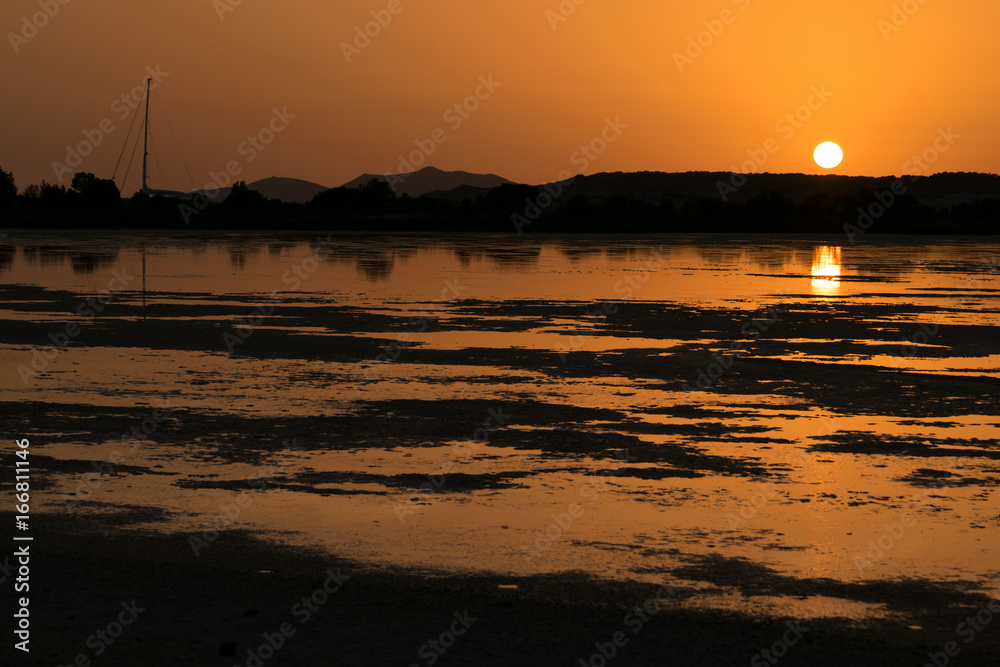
94	203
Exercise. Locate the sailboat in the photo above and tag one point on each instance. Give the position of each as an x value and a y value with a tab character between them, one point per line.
145	189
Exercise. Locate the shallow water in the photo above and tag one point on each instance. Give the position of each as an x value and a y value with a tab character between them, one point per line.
633	408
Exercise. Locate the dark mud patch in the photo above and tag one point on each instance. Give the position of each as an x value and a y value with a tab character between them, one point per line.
309	481
917	599
864	390
867	442
83	467
936	479
558	431
649	473
110	515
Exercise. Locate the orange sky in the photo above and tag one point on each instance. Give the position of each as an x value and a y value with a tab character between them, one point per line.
891	91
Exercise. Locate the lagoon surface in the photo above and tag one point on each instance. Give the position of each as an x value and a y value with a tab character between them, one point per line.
772	424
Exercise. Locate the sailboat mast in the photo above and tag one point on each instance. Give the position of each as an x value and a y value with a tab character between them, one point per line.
145	138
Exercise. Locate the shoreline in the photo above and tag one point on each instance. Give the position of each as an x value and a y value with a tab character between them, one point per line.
243	590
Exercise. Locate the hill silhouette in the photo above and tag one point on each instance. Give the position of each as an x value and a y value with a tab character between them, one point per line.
287	190
431	179
641	202
726	186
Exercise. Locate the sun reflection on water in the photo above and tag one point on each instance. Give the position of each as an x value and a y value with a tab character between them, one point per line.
826	270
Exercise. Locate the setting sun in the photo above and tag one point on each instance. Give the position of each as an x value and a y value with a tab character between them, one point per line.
828	155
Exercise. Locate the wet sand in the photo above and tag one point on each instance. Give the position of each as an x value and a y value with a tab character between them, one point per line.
243	588
546	463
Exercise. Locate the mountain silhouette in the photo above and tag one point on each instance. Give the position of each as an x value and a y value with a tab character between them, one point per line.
797	187
431	179
288	190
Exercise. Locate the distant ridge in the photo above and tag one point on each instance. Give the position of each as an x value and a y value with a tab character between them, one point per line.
288	190
798	187
431	179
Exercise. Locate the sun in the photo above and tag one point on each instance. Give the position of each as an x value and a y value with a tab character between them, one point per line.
828	155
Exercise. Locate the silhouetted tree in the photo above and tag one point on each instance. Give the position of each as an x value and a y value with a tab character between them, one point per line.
377	196
53	196
8	191
243	197
95	191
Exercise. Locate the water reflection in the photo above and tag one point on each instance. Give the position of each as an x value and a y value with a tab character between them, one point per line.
6	257
81	261
826	269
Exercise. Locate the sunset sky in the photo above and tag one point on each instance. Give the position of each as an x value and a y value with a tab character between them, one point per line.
888	85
